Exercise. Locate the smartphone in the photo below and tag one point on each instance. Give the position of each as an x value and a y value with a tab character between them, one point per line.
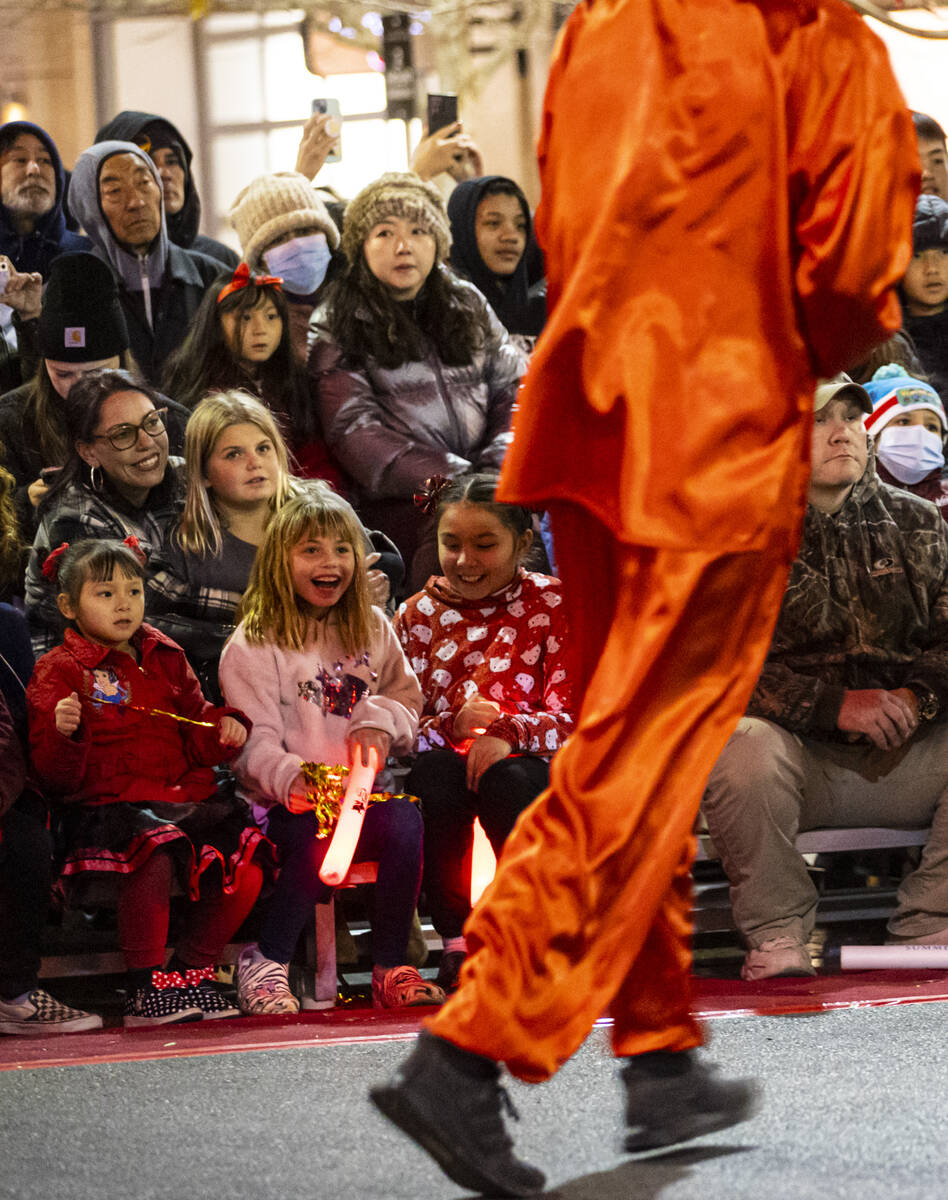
48	475
442	110
329	104
4	277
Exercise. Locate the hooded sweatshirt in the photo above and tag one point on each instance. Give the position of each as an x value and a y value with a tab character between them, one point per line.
161	289
520	308
129	126
50	237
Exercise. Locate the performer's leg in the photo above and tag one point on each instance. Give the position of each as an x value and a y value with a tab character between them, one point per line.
591	863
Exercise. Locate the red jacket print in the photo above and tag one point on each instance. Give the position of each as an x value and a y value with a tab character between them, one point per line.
119	753
508	647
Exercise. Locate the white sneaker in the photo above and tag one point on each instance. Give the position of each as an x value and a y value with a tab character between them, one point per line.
39	1014
263	986
785	955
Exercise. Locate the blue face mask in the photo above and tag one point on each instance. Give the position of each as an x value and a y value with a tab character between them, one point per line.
910	452
301	263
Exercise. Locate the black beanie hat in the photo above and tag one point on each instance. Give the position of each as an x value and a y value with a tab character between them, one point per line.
81	319
930	227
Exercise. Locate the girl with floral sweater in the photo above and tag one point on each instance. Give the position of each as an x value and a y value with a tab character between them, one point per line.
486	641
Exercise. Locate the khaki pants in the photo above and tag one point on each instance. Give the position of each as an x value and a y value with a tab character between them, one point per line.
769	785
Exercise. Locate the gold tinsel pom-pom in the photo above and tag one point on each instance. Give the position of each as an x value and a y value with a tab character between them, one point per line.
326	787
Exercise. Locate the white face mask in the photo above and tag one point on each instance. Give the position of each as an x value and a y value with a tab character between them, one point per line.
910	452
301	263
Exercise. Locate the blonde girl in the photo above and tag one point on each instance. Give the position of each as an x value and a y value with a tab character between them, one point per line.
320	672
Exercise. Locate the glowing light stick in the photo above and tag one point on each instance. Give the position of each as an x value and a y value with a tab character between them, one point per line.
352	811
483	863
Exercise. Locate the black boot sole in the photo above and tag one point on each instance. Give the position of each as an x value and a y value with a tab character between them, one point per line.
392	1103
695	1125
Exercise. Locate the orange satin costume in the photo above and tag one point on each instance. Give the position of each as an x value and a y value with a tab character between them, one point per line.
728	191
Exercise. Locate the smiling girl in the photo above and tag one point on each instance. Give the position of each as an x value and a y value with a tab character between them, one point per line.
122	737
240	338
320	672
486	641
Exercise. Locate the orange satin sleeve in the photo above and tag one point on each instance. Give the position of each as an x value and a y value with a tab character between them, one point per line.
712	243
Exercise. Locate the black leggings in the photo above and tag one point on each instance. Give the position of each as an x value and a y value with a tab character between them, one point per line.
391	835
449	809
25	877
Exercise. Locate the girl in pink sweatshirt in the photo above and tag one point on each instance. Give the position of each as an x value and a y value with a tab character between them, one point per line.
487	642
320	672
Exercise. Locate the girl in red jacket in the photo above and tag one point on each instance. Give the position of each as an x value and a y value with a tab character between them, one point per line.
486	642
121	734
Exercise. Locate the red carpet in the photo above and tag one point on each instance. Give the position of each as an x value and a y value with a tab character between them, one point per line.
713	998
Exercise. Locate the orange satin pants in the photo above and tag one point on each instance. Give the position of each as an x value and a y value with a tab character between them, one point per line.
590	909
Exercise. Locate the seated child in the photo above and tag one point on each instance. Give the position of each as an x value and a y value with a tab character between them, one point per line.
907	426
320	672
122	736
486	642
925	289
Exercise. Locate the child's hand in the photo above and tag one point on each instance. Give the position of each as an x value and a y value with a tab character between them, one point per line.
298	801
379	586
68	714
365	738
484	752
474	716
230	732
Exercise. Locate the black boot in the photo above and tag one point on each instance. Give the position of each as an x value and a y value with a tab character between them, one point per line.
673	1097
451	1103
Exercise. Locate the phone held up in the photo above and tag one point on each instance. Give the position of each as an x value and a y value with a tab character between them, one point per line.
330	105
4	277
442	111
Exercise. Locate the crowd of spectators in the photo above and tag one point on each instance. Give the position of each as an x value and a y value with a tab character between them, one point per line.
348	380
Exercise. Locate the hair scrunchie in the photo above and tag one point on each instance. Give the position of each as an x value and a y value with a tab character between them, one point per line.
133	544
50	568
429	496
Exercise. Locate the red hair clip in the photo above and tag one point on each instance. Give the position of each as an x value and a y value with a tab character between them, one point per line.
50	568
427	499
242	278
132	542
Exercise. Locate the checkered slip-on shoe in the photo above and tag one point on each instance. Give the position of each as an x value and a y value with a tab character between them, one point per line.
203	990
40	1014
163	1000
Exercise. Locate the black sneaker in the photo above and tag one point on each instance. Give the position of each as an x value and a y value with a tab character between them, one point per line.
204	992
163	1000
458	1118
449	969
672	1098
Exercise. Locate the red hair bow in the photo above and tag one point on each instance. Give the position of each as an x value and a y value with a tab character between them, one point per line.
242	278
132	542
50	568
427	499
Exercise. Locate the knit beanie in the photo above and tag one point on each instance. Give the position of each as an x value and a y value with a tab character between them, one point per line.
396	194
276	204
81	319
893	393
930	225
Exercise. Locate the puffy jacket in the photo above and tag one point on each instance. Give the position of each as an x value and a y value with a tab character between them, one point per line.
866	606
392	428
119	753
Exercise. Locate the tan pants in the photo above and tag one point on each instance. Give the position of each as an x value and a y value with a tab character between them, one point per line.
590	907
769	785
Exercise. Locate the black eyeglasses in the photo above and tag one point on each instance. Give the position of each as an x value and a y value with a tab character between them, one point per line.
123	437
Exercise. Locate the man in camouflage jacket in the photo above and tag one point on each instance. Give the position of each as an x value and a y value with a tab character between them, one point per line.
846	726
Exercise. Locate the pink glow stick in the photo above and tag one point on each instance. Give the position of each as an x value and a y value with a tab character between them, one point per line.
352	811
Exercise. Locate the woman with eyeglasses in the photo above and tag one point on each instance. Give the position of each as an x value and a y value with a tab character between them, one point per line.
117	480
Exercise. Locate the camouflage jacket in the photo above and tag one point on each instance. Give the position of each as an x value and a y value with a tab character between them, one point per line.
866	606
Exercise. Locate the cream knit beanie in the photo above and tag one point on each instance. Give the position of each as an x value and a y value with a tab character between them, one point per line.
396	194
276	204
